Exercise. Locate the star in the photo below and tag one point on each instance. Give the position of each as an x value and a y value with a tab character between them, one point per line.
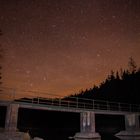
64	46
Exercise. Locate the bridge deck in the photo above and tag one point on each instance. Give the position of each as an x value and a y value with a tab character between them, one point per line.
99	107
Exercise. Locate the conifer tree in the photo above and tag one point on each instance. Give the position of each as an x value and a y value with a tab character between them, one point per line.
0	58
132	65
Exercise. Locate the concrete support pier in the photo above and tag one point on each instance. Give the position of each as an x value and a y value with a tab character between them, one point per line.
87	127
11	132
132	129
11	118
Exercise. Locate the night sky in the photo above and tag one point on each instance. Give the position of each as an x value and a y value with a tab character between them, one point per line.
63	46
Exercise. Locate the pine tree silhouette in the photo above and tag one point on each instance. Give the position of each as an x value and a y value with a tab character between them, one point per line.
0	58
121	86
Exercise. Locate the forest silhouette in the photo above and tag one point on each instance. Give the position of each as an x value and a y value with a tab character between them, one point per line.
119	86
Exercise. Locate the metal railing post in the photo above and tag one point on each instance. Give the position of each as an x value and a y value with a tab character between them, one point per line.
93	104
119	106
77	102
108	106
130	107
59	102
32	100
68	104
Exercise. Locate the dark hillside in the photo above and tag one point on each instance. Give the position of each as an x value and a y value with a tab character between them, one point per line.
120	87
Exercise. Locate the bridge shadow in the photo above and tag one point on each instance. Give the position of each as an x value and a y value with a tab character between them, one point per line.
53	125
50	125
109	124
2	116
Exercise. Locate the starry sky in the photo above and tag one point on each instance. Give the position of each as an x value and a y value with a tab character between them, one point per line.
63	46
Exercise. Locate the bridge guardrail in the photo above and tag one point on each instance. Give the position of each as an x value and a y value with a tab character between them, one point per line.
93	104
75	102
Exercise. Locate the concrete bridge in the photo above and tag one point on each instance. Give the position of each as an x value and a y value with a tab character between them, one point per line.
87	109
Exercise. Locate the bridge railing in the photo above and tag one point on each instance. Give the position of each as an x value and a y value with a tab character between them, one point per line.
69	102
81	103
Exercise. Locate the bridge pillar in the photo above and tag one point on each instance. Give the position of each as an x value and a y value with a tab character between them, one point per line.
132	128
11	118
87	127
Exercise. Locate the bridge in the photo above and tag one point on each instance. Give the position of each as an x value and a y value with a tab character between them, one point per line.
86	107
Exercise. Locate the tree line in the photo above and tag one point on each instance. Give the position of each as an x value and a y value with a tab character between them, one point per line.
119	86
